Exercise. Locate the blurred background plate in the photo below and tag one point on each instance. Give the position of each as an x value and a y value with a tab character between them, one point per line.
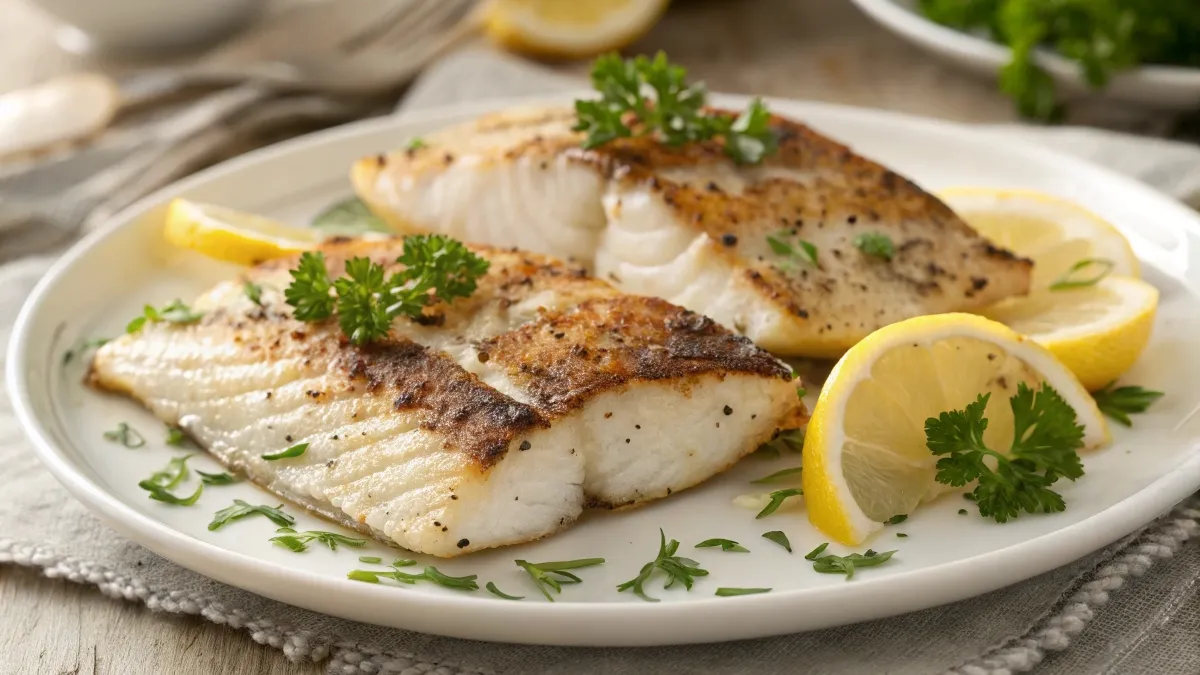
1163	87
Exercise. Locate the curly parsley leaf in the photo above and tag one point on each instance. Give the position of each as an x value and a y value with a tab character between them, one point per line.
678	570
1046	437
309	292
241	509
1121	402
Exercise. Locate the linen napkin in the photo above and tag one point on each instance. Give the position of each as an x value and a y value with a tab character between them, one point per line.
1131	608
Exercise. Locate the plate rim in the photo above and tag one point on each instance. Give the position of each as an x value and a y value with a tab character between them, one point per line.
268	579
912	25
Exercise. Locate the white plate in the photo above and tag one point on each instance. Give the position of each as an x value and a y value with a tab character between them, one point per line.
103	281
1155	86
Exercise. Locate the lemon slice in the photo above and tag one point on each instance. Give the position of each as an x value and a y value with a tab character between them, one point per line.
1053	232
865	458
575	29
1097	331
234	236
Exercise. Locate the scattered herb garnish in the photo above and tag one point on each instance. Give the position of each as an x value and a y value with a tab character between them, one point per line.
176	312
1046	436
901	535
1086	272
803	251
430	574
126	436
294	451
298	541
403	562
675	114
370	559
813	554
728	545
87	344
897	519
678	569
175	473
162	494
176	437
253	291
782	473
216	478
491	586
728	592
777	499
837	564
779	538
436	268
875	243
241	509
415	143
554	574
349	216
801	392
962	512
1121	402
791	440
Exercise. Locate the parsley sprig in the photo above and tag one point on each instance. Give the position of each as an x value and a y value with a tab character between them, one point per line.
644	97
678	569
298	541
553	575
436	268
1121	402
1046	436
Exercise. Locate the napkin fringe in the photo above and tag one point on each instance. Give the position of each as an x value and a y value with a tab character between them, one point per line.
1133	558
344	657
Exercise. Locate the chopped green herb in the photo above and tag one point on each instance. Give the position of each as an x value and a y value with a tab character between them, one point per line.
791	440
370	559
553	574
962	512
897	519
901	535
415	143
162	494
875	243
1086	272
837	564
126	436
779	538
777	499
1045	440
294	451
253	291
436	268
403	562
241	509
675	115
782	473
430	574
728	592
727	545
298	541
87	344
678	569
350	217
1122	402
812	555
175	473
216	478
176	312
491	586
803	251
176	437
801	392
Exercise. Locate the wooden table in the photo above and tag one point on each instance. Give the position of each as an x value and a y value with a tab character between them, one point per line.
817	49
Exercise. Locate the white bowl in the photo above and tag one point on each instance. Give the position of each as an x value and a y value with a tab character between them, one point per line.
145	25
1163	87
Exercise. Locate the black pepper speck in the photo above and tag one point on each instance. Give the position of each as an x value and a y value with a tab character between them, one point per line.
728	410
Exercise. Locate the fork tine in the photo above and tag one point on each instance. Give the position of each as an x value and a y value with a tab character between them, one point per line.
430	26
386	15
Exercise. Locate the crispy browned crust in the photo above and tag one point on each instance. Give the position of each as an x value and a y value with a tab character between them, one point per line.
604	345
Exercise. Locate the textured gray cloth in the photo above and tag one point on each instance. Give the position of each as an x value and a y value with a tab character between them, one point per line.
1132	608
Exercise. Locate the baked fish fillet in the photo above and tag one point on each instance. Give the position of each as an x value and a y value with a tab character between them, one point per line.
493	421
688	225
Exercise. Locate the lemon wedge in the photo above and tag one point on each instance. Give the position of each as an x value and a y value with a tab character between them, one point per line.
1097	331
575	29
865	458
234	236
1055	233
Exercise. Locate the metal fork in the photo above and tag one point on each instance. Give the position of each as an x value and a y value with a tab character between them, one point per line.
377	56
